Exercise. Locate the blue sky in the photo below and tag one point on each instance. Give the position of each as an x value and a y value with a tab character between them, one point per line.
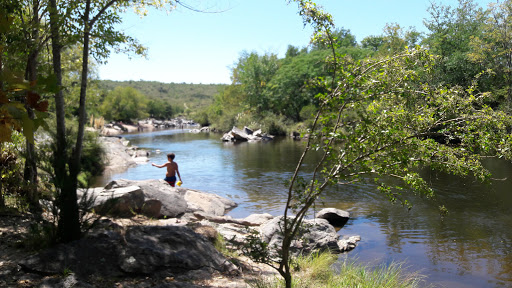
191	47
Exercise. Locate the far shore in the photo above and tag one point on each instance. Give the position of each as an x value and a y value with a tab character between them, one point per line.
146	125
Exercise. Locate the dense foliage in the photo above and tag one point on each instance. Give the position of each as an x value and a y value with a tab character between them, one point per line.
470	46
383	118
44	53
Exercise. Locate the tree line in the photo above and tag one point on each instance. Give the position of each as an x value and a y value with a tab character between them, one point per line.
152	99
471	45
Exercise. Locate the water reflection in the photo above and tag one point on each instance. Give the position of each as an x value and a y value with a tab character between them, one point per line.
470	247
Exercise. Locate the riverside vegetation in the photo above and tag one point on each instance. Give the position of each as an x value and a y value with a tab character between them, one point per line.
379	108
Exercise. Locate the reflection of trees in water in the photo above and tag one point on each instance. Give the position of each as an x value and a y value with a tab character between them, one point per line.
275	156
474	238
263	168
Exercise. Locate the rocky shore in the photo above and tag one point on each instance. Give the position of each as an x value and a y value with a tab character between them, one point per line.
118	128
150	234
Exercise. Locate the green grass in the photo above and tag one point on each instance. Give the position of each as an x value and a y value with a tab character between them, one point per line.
222	246
316	271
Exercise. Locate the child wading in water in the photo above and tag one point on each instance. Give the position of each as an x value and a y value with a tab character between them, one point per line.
172	170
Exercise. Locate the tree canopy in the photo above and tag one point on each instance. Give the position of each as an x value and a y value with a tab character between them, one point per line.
383	119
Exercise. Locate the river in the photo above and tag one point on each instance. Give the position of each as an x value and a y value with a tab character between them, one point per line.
470	247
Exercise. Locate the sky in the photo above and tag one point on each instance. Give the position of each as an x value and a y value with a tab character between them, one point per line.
190	47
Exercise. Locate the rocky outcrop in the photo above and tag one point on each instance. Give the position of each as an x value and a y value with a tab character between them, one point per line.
152	124
246	134
316	234
153	198
205	129
117	128
114	251
120	155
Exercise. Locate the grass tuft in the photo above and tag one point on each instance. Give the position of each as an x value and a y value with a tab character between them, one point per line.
316	271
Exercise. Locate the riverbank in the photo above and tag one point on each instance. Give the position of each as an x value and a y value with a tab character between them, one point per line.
107	256
145	125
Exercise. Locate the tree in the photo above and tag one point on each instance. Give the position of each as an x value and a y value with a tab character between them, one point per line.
253	73
492	49
396	39
377	120
451	30
159	109
373	43
343	39
10	169
287	91
21	104
125	104
89	19
292	51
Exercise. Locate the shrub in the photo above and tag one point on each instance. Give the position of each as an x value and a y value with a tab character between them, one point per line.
275	125
11	173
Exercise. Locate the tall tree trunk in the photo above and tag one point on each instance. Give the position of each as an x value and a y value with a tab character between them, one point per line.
69	218
2	201
82	117
69	224
30	171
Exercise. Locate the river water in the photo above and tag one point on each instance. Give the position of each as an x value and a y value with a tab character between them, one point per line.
470	247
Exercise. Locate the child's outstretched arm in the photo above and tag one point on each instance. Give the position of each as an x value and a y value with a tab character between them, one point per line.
159	166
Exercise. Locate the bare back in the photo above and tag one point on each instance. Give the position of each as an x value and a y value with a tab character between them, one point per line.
172	168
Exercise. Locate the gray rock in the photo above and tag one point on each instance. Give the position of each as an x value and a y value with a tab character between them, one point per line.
69	281
316	234
348	243
251	220
258	219
85	257
156	199
152	248
336	217
209	203
173	203
121	202
152	208
246	134
258	133
234	233
116	154
138	249
141	153
247	130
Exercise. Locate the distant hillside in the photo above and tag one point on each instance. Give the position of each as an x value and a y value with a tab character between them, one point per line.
192	96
